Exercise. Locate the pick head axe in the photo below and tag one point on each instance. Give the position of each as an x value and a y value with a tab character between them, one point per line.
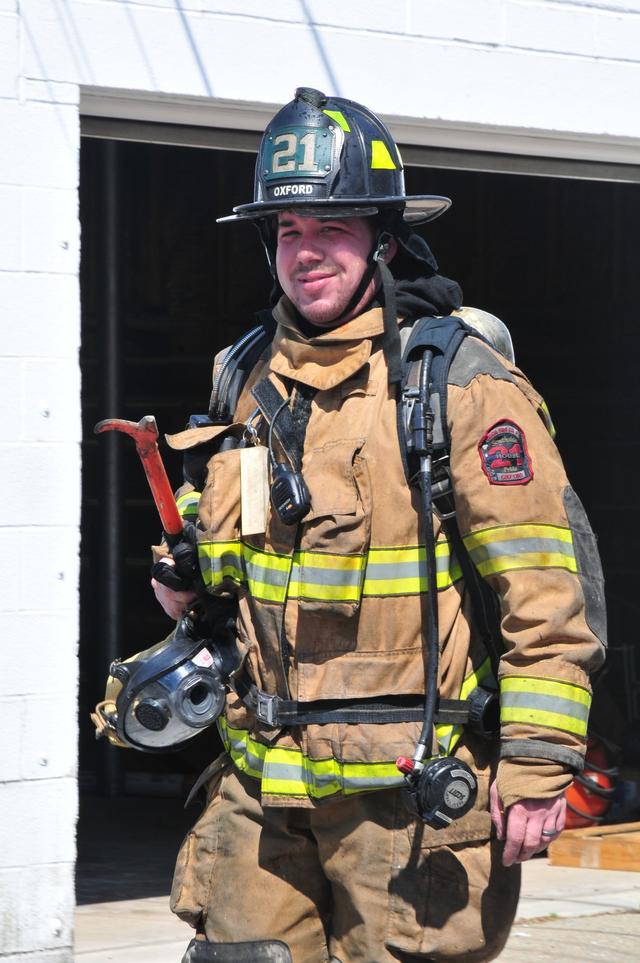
145	436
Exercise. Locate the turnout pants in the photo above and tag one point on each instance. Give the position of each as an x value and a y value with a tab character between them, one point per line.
351	880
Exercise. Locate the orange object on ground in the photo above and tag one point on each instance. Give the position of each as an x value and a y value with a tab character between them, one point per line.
589	795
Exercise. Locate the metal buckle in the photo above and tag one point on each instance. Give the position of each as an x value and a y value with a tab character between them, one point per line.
409	398
442	487
265	707
250	433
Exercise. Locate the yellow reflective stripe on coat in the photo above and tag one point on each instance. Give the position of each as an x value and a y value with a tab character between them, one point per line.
324	576
511	547
546	417
447	735
327	578
220	560
403	570
187	505
544	702
264	573
289	772
381	572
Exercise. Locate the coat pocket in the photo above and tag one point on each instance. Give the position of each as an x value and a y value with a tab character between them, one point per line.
219	525
198	445
452	902
450	897
195	864
329	567
212	465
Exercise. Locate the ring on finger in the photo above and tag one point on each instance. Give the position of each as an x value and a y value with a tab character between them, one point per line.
550	832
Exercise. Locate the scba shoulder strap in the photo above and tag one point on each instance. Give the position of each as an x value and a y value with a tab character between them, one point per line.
229	380
236	366
441	338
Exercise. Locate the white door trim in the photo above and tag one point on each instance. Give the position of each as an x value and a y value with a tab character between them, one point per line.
424	141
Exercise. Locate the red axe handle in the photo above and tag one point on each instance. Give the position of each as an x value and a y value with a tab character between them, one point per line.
145	435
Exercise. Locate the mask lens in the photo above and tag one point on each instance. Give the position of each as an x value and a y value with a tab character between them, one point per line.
198	695
200	698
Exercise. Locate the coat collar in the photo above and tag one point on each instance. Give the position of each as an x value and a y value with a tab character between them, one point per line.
327	359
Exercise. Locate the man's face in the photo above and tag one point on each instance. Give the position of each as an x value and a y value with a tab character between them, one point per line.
320	264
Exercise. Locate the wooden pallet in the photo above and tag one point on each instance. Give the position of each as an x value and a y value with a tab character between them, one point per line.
598	847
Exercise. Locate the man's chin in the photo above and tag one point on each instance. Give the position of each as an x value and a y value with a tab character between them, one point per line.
322	314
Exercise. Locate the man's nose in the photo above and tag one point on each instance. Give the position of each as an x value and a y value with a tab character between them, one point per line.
310	251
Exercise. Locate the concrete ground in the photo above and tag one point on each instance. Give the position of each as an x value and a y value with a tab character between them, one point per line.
575	915
569	914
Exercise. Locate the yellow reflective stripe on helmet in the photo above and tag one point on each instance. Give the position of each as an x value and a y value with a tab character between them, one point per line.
511	547
339	118
289	772
448	736
187	505
381	159
544	702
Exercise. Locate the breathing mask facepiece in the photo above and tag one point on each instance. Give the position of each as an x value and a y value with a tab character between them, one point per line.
166	695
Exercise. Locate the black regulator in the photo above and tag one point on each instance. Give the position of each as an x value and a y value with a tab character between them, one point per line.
438	790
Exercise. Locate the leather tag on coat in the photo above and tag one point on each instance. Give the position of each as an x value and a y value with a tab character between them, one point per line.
254	490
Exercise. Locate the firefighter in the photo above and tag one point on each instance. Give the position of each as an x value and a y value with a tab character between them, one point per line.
307	849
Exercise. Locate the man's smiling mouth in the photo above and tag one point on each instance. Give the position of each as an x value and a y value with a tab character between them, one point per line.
316	278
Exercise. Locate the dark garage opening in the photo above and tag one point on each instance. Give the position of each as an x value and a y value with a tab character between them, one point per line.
164	288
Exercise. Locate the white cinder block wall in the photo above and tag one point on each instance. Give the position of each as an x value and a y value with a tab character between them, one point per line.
39	509
531	65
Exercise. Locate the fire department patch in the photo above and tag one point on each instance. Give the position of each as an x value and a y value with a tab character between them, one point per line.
504	456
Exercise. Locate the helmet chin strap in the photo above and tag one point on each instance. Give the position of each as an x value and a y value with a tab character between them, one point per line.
391	336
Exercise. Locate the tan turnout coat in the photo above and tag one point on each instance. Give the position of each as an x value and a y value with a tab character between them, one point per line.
335	607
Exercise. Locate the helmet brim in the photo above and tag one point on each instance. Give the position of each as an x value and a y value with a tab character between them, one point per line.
417	209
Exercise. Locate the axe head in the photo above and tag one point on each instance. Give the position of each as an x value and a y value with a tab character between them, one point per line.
145	436
143	432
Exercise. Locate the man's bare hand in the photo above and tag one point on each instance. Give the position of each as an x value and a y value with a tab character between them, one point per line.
174	603
527	826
